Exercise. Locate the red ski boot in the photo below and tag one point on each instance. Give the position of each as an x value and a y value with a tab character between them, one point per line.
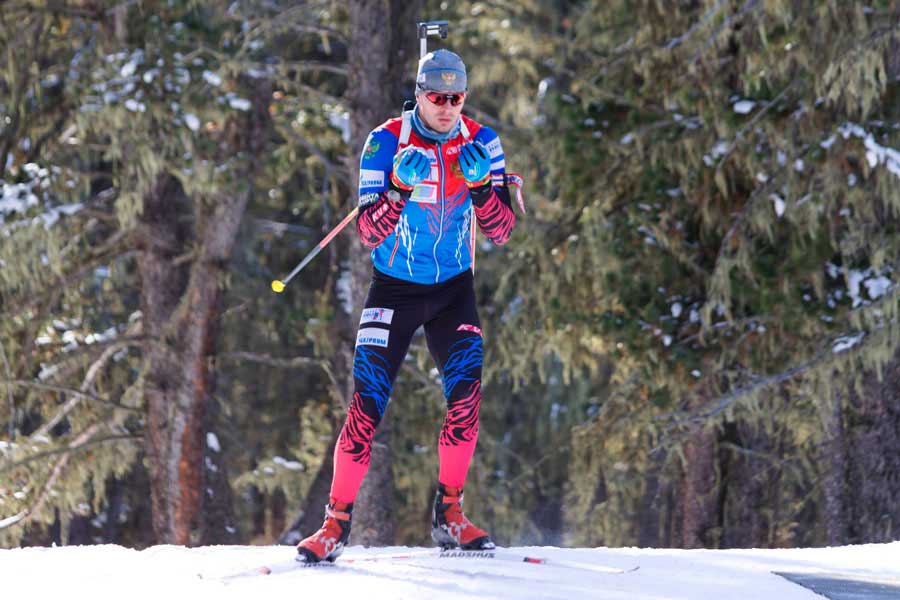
449	526
329	541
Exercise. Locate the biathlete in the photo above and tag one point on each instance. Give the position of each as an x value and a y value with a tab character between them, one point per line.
423	179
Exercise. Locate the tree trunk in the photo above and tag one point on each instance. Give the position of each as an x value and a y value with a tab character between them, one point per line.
698	496
699	490
311	517
182	320
163	237
218	525
747	484
873	459
382	38
649	513
834	468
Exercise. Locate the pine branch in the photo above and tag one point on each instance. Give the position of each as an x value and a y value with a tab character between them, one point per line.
331	169
52	289
68	449
64	390
281	363
57	472
678	40
130	340
748	6
241	65
89	378
9	392
723	403
739	136
281	20
757	384
53	8
775	462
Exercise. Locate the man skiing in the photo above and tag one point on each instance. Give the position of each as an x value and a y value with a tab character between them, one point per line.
423	179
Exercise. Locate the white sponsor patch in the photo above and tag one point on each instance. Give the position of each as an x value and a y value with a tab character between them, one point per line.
377	315
424	192
371	178
494	148
372	336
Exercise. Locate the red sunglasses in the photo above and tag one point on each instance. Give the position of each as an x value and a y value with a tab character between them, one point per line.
441	99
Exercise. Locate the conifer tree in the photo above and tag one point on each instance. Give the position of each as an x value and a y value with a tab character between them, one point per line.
165	132
724	198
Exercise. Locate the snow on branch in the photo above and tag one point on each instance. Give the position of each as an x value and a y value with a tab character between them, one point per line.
876	154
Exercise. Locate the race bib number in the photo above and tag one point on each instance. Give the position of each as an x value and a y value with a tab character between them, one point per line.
425	193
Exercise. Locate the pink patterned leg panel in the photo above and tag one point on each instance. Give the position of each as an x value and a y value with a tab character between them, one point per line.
352	452
459	436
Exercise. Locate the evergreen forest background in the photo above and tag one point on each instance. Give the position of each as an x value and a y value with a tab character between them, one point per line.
691	339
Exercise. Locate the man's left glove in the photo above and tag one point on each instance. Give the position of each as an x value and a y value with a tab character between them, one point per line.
475	163
411	167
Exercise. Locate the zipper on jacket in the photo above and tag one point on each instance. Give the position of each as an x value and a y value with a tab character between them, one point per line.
440	183
394	252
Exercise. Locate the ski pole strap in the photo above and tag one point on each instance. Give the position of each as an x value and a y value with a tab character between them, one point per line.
516	180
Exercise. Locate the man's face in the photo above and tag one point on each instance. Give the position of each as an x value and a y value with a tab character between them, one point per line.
438	111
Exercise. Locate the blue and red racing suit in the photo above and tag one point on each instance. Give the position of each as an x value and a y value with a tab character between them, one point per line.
426	236
422	254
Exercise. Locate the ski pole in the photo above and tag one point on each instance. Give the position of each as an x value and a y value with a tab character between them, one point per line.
278	284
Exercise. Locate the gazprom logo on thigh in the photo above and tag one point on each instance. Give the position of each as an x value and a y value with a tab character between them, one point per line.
372	336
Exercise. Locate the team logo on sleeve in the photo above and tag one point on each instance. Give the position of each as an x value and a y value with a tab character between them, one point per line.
371	149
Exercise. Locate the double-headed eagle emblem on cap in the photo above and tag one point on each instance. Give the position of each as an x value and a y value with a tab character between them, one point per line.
448	76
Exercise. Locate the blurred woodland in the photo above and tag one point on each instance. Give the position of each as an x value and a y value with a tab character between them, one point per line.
691	338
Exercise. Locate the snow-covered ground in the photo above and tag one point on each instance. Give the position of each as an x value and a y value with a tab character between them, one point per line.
170	573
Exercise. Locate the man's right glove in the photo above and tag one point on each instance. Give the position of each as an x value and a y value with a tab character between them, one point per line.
411	167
